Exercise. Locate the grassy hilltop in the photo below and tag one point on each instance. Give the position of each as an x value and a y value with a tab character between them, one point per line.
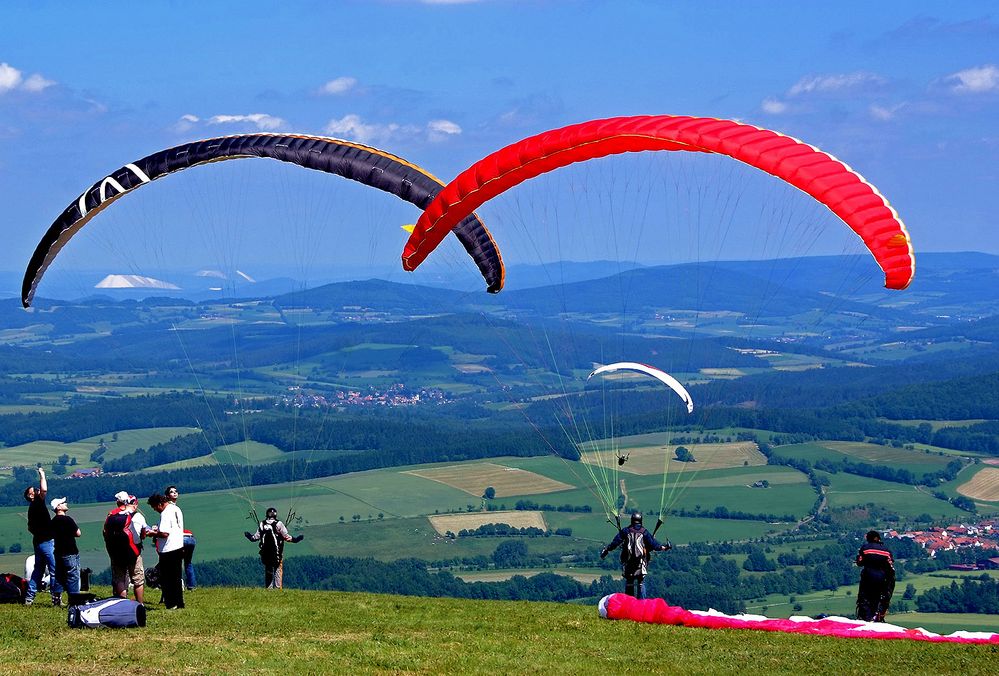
226	630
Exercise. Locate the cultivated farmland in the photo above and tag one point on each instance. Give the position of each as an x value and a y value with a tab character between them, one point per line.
475	478
983	486
653	458
455	523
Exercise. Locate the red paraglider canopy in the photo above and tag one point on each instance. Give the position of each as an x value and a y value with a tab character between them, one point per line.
831	182
657	611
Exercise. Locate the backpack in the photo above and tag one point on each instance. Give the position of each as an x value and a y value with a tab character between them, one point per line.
152	576
271	542
12	588
634	545
118	536
114	612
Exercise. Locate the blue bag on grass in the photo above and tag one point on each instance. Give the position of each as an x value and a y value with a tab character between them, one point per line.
114	612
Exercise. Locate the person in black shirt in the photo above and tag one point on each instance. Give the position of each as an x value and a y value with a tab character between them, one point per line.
877	579
40	526
67	555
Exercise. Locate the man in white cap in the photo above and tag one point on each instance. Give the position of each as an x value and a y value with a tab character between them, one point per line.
67	555
123	533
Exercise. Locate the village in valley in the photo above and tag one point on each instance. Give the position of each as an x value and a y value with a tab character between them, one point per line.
983	535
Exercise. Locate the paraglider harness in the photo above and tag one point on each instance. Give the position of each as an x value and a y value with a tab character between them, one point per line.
271	541
634	554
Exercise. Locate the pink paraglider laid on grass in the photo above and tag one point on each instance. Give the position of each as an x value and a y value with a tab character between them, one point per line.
657	611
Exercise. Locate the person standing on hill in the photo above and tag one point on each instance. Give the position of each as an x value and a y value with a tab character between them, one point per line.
42	538
169	536
877	579
190	582
637	545
272	534
67	555
190	542
124	529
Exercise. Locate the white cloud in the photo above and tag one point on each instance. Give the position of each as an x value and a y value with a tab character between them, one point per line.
37	83
185	124
885	113
835	83
340	85
773	106
440	130
354	128
11	78
975	80
261	121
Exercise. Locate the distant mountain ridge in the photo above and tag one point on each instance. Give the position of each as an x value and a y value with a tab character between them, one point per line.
946	285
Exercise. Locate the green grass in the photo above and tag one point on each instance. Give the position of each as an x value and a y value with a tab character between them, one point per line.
916	461
936	424
253	630
127	442
907	501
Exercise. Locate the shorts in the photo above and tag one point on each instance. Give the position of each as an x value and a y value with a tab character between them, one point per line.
123	573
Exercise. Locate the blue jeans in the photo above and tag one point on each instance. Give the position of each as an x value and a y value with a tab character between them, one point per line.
68	572
189	580
44	556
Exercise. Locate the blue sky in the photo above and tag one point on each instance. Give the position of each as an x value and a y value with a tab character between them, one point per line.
905	92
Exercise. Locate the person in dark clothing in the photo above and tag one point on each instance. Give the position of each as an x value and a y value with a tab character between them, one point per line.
637	545
190	542
272	534
877	579
67	555
40	527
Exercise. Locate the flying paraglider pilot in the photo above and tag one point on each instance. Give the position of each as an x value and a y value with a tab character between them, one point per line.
272	534
877	579
637	545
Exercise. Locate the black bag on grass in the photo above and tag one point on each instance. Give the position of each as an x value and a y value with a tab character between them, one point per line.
12	588
114	612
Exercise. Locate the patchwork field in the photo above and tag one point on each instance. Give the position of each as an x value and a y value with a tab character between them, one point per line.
917	461
907	501
501	575
118	444
653	459
475	478
983	486
775	477
443	523
876	454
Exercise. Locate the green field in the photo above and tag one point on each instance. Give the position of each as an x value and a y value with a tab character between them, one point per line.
916	461
47	452
908	502
251	630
